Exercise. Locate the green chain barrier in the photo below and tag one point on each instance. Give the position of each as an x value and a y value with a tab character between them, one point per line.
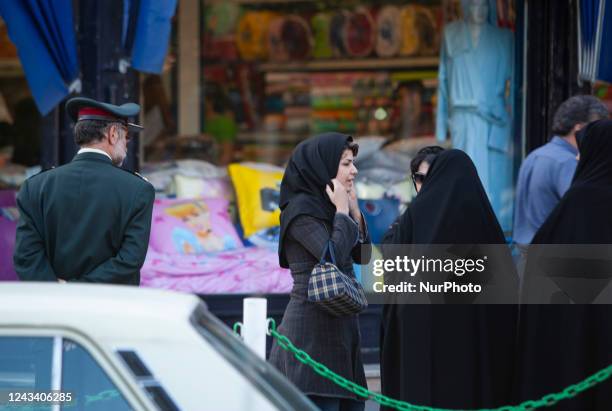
546	401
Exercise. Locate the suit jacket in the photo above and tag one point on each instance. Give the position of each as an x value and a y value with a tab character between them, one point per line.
85	221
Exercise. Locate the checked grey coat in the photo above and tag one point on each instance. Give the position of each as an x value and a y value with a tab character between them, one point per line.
332	341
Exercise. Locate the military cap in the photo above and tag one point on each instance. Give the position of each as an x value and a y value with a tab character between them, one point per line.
83	108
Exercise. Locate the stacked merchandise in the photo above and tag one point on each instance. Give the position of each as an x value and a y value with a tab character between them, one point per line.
332	103
351	102
287	103
289	38
270	41
235	33
387	31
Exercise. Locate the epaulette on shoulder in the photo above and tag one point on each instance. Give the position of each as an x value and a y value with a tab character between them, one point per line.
141	176
135	174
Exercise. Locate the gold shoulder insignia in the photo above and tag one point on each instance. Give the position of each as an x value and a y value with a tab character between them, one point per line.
144	178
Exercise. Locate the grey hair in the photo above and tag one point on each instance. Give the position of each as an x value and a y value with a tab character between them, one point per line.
575	110
91	131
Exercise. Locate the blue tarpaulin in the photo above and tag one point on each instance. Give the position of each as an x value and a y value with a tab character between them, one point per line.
605	52
43	32
595	47
152	35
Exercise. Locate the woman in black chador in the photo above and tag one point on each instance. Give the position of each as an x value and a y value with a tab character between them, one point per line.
451	356
561	344
318	206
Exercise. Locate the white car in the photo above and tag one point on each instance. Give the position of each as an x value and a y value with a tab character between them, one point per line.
127	348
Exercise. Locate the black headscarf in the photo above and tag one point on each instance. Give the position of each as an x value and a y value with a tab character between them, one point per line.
584	214
312	166
452	207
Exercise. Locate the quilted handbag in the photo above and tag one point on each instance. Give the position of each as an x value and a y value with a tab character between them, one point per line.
337	293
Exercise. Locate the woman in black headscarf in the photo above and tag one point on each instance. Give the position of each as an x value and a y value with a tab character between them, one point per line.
318	205
560	345
457	356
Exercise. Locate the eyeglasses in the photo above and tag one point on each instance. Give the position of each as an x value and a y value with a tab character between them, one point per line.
124	128
418	177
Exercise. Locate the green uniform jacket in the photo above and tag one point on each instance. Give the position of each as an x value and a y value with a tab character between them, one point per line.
85	221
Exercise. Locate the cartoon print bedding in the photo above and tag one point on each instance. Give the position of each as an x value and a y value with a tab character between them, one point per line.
244	270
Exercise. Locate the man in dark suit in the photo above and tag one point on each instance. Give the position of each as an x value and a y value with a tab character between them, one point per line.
89	220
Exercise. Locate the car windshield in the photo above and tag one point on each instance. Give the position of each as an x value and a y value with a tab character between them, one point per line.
262	375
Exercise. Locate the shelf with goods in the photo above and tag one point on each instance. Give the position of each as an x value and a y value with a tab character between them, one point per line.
354	102
288	88
371	63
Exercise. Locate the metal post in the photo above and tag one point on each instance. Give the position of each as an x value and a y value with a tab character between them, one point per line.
255	324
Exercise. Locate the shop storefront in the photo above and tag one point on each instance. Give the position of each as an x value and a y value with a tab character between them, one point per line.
247	80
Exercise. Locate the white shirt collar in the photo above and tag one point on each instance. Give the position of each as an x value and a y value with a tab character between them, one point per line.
94	150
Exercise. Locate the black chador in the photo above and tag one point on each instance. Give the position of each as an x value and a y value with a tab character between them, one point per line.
567	339
450	355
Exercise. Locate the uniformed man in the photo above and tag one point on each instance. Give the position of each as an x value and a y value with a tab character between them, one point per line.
88	220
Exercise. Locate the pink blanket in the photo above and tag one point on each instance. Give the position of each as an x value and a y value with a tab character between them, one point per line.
244	270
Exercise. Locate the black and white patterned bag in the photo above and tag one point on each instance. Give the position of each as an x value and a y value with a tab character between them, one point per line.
338	293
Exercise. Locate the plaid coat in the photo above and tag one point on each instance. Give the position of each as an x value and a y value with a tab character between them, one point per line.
333	341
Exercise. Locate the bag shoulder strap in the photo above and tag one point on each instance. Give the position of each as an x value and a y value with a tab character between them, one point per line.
329	247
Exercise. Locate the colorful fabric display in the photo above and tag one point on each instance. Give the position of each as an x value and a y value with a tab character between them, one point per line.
321	23
359	33
388	32
419	31
297	38
252	34
410	35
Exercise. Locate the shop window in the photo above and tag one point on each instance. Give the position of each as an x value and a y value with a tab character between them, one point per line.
270	74
265	75
290	70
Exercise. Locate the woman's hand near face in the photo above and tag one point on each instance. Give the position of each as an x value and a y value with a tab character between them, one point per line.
354	205
339	197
